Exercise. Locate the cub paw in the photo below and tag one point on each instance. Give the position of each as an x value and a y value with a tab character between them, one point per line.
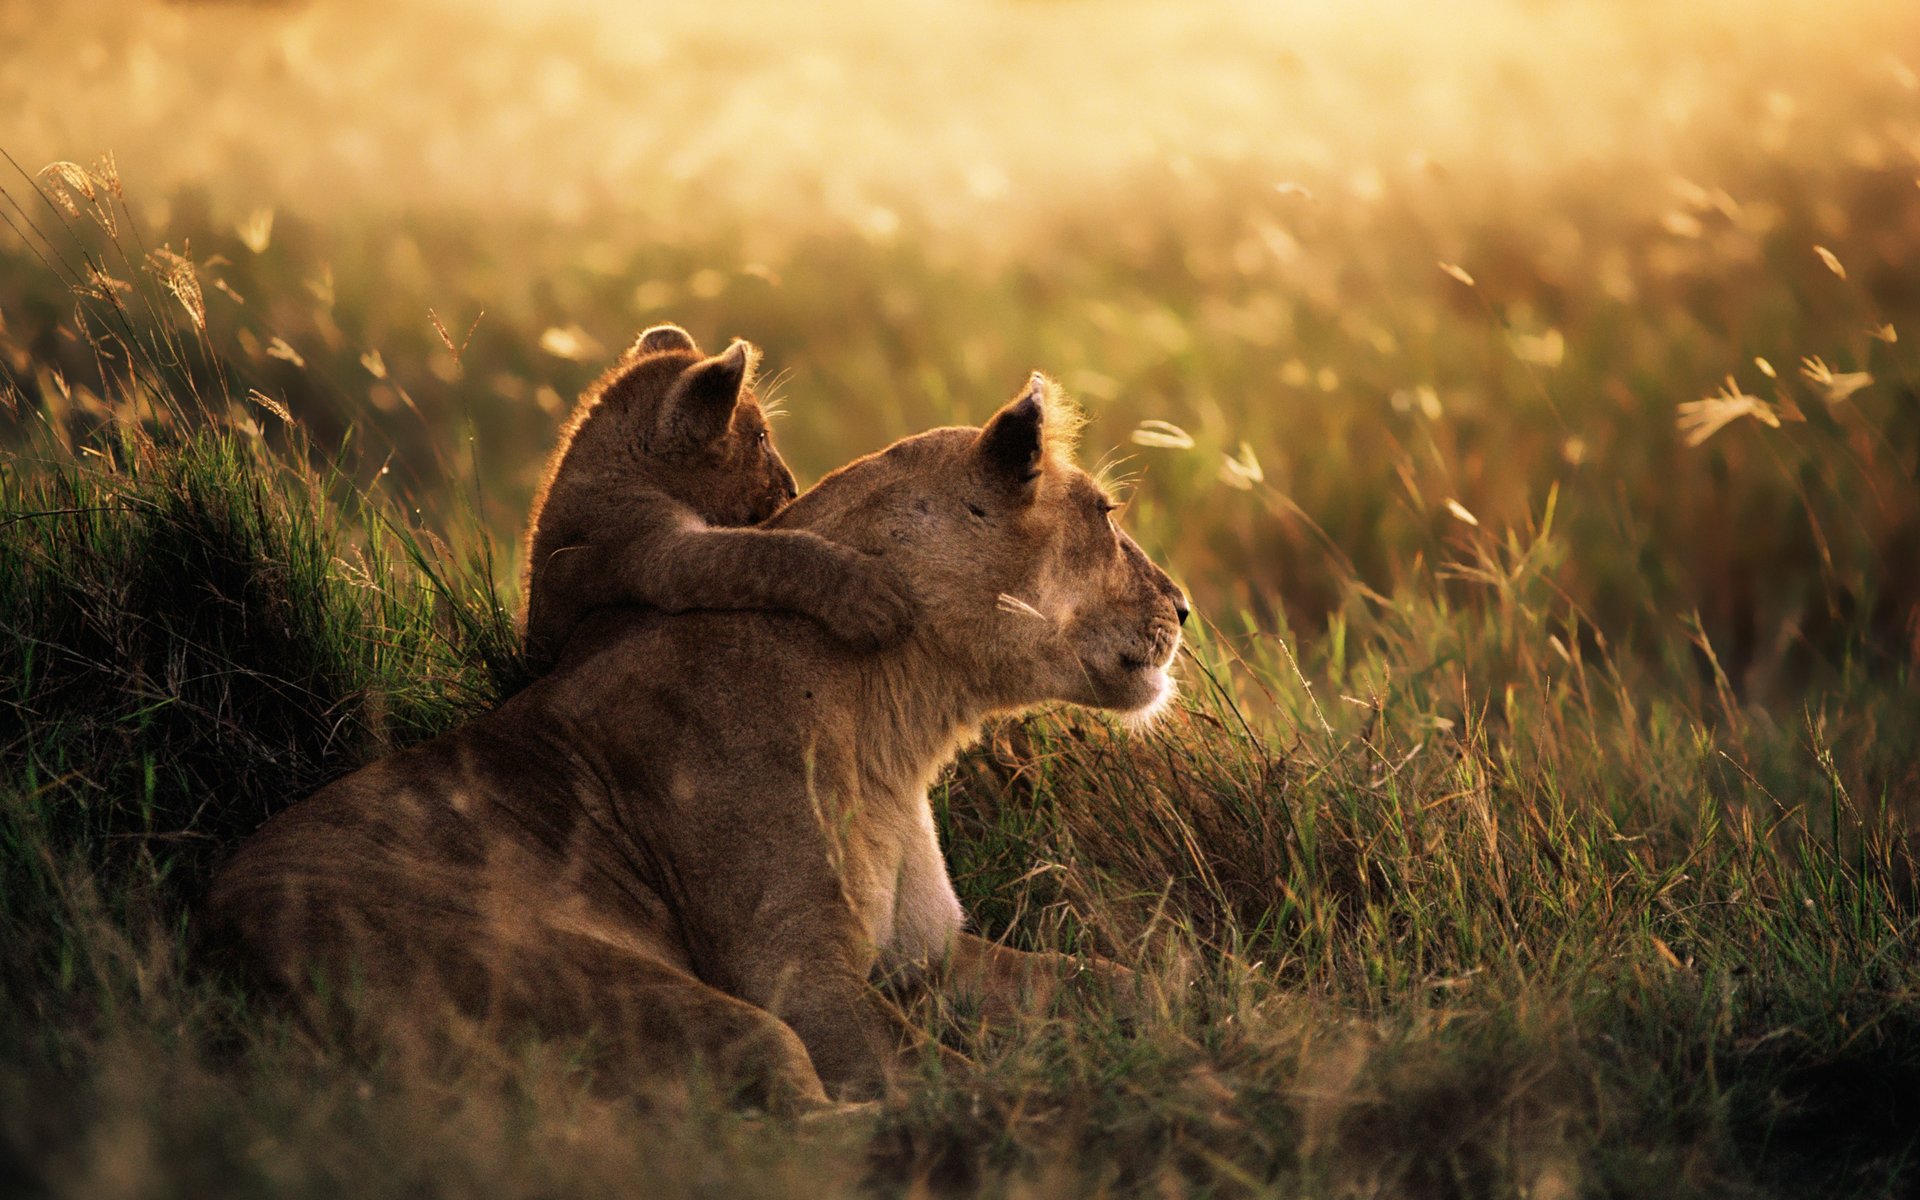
873	607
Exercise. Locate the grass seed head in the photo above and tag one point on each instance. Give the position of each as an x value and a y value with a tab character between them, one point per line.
1699	420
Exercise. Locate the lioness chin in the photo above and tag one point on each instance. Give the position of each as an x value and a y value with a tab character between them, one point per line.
700	835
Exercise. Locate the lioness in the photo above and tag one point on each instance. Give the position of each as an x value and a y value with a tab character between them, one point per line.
664	460
700	834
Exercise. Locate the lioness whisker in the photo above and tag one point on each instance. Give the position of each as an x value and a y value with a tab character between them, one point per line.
1008	603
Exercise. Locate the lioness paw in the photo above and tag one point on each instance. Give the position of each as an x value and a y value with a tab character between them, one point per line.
872	607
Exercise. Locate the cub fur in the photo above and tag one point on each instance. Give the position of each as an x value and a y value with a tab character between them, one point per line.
701	836
664	461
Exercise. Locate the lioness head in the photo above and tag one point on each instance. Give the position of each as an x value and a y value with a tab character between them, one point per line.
1028	584
698	425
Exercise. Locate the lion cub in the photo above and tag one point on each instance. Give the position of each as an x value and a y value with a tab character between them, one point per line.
662	463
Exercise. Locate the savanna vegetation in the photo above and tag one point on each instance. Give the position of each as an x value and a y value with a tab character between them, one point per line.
1525	391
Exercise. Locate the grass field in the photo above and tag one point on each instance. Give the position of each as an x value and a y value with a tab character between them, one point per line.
1525	391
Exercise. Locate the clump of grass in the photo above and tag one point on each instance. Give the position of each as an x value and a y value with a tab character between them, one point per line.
201	627
194	636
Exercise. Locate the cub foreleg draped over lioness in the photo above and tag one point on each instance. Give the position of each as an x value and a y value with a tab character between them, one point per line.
649	499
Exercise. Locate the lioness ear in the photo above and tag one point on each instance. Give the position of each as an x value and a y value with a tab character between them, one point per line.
661	338
1011	446
699	406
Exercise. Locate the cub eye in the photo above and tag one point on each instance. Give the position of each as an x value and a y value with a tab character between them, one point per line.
761	437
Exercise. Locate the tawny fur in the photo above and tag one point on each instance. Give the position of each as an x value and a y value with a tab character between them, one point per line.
700	836
664	460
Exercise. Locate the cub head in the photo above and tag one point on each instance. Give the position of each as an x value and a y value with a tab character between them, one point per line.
1031	589
697	427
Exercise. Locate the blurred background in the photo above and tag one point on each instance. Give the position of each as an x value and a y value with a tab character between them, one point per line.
1362	298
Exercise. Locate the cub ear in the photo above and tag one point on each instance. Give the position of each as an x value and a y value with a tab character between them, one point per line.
1013	443
661	338
699	406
